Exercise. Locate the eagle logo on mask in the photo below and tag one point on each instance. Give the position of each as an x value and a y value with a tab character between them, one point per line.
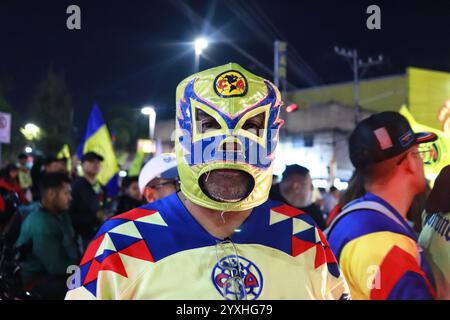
230	84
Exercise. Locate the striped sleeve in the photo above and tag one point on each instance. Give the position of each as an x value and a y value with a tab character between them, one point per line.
385	266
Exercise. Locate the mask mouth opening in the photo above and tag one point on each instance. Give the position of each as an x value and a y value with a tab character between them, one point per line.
227	185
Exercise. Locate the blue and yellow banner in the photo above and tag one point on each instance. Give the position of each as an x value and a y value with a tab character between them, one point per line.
98	140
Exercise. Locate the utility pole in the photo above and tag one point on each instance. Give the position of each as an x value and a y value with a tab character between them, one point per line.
280	65
357	65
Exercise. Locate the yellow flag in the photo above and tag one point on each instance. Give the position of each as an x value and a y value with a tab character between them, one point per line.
98	140
65	153
100	143
135	167
435	154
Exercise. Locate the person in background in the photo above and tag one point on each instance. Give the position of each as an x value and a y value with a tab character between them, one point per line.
88	198
295	189
435	235
53	164
414	215
45	165
9	180
25	180
376	247
48	230
131	197
159	177
354	191
36	173
331	199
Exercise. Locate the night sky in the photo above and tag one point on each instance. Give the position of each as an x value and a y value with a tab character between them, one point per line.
133	53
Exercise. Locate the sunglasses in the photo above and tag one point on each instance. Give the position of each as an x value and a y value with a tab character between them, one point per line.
421	153
160	185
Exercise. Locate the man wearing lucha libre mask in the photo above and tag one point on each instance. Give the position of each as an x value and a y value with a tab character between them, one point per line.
219	237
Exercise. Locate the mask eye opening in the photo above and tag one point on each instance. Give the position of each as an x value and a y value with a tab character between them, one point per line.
255	124
205	122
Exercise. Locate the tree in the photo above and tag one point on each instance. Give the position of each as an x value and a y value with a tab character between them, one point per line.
51	110
126	125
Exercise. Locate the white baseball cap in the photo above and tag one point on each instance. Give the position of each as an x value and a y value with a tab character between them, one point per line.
162	166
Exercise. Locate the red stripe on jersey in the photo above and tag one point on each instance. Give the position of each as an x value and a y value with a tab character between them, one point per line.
93	272
300	246
92	250
395	264
139	250
287	210
134	214
114	263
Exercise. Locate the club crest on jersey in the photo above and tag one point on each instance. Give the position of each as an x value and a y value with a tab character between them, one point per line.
230	84
430	153
237	283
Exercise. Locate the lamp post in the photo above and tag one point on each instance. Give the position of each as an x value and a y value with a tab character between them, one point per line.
200	44
151	113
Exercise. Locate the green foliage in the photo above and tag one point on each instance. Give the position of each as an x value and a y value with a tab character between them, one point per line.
126	125
51	110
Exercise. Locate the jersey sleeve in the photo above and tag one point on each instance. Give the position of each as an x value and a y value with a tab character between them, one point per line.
310	246
385	266
114	261
335	284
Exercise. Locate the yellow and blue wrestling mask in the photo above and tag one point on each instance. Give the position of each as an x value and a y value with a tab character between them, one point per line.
227	120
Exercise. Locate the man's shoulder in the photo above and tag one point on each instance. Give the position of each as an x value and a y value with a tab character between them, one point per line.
298	235
150	225
365	220
35	215
278	208
38	221
290	228
358	223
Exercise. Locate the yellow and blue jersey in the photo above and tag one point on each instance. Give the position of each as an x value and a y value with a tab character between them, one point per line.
379	254
159	251
435	240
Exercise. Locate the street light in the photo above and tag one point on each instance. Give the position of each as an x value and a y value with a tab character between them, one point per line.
31	131
200	44
151	113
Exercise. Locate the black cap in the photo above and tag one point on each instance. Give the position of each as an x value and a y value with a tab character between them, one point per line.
89	156
383	136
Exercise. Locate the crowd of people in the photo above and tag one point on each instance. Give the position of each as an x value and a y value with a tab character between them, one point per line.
61	212
385	237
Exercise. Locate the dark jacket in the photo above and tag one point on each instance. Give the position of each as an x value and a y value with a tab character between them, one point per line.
52	240
86	202
126	203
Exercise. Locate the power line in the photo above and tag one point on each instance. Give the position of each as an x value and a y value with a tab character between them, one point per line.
294	52
356	65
